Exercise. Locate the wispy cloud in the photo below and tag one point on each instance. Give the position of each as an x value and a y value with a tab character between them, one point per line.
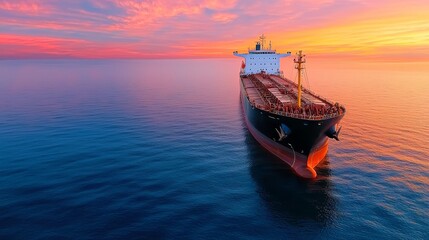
25	7
192	28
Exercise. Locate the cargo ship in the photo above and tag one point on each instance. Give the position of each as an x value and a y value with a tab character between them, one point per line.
288	120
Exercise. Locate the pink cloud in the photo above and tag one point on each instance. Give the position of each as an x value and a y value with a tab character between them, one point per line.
16	46
24	46
26	7
152	15
192	28
224	17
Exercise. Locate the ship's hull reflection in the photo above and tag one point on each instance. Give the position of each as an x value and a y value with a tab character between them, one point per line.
287	196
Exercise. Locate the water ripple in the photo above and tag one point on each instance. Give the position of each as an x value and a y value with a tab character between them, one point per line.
136	153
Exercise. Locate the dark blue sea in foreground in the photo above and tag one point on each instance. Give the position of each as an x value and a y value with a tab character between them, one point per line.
158	149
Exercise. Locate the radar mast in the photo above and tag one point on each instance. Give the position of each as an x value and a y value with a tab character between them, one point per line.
299	65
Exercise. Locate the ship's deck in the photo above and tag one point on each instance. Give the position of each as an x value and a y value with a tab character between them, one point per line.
279	95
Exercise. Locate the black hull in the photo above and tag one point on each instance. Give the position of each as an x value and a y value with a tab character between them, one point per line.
305	142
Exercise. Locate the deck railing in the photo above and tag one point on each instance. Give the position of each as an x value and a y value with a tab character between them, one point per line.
300	115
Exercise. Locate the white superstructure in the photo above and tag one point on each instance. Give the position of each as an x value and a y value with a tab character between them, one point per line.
261	59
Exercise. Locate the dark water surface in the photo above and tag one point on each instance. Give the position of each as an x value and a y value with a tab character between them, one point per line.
157	149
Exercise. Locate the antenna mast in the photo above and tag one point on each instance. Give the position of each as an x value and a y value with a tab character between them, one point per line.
262	39
299	64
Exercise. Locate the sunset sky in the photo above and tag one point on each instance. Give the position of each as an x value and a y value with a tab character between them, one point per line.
383	29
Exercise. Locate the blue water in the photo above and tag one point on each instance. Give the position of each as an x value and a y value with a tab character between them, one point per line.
157	149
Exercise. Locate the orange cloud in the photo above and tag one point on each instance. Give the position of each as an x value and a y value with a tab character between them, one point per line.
399	32
386	36
213	28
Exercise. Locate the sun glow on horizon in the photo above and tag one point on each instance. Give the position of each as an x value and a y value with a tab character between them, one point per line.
386	30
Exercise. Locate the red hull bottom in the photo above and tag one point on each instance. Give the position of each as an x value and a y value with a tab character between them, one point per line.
301	164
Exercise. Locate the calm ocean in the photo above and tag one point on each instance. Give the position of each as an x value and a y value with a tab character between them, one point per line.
158	149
